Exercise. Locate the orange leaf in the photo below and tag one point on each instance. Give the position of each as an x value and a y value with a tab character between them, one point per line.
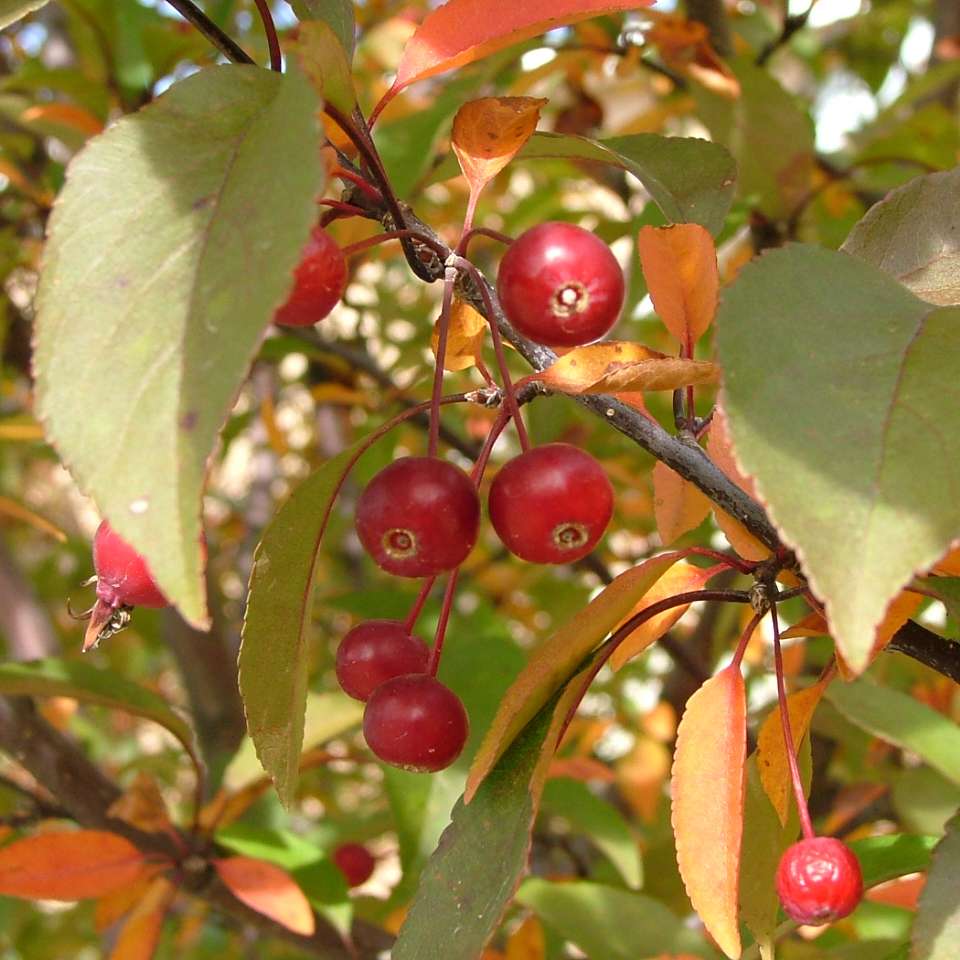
812	625
462	31
641	775
680	267
73	865
142	806
141	933
616	366
678	505
552	664
584	769
487	134
684	47
771	754
464	337
680	578
900	892
268	890
65	115
112	906
707	816
949	564
527	942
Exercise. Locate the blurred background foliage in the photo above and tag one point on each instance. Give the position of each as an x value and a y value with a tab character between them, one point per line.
841	100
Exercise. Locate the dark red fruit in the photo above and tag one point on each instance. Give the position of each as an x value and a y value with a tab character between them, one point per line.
123	577
560	285
355	861
319	281
415	722
418	517
819	881
551	504
376	651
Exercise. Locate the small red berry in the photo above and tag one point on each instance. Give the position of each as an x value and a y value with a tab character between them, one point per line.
319	281
355	862
551	504
415	722
123	577
819	881
418	517
376	651
560	285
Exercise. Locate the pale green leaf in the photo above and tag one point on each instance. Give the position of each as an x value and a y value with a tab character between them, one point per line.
338	14
841	393
912	235
936	930
168	251
323	60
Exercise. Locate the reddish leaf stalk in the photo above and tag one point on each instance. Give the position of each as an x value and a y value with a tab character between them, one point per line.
482	232
349	209
270	29
795	780
440	635
443	329
353	248
365	187
745	639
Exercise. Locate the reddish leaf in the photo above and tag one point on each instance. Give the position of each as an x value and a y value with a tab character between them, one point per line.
679	578
771	753
112	906
73	865
812	625
268	890
707	789
553	663
64	115
949	564
141	932
462	31
487	134
680	267
142	805
616	366
678	505
465	335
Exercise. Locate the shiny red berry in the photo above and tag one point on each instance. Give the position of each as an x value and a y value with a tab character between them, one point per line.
551	504
355	862
418	517
819	881
560	285
319	280
123	577
415	722
376	651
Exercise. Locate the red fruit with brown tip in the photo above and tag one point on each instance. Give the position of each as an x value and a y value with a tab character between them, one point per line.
355	862
376	651
560	285
415	722
123	577
551	504
418	517
819	881
319	281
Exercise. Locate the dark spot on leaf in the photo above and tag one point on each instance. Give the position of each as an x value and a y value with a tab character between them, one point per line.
189	420
200	203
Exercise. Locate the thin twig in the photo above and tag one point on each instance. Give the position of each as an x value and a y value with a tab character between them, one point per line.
194	15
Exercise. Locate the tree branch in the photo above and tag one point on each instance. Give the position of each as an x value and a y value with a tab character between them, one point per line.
194	15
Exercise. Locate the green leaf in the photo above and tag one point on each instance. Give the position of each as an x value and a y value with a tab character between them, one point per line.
168	251
273	665
891	856
610	923
768	134
323	60
912	235
691	180
840	388
764	840
89	684
936	930
923	800
13	10
282	847
899	719
337	14
600	821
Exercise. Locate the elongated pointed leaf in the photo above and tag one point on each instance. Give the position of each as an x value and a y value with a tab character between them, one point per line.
273	663
707	814
72	865
89	684
147	319
554	662
849	361
678	505
141	930
269	890
912	235
936	931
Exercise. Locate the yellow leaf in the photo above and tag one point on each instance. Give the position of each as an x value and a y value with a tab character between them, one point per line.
678	505
465	337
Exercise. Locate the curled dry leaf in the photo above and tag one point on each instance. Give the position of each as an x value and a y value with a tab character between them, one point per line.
268	890
487	134
707	814
680	266
465	335
617	366
678	505
685	48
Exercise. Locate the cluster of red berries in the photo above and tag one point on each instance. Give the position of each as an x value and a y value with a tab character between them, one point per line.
420	516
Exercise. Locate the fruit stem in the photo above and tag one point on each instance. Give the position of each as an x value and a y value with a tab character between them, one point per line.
745	639
417	607
365	187
443	328
350	209
508	389
441	633
480	465
270	29
483	232
788	743
352	248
